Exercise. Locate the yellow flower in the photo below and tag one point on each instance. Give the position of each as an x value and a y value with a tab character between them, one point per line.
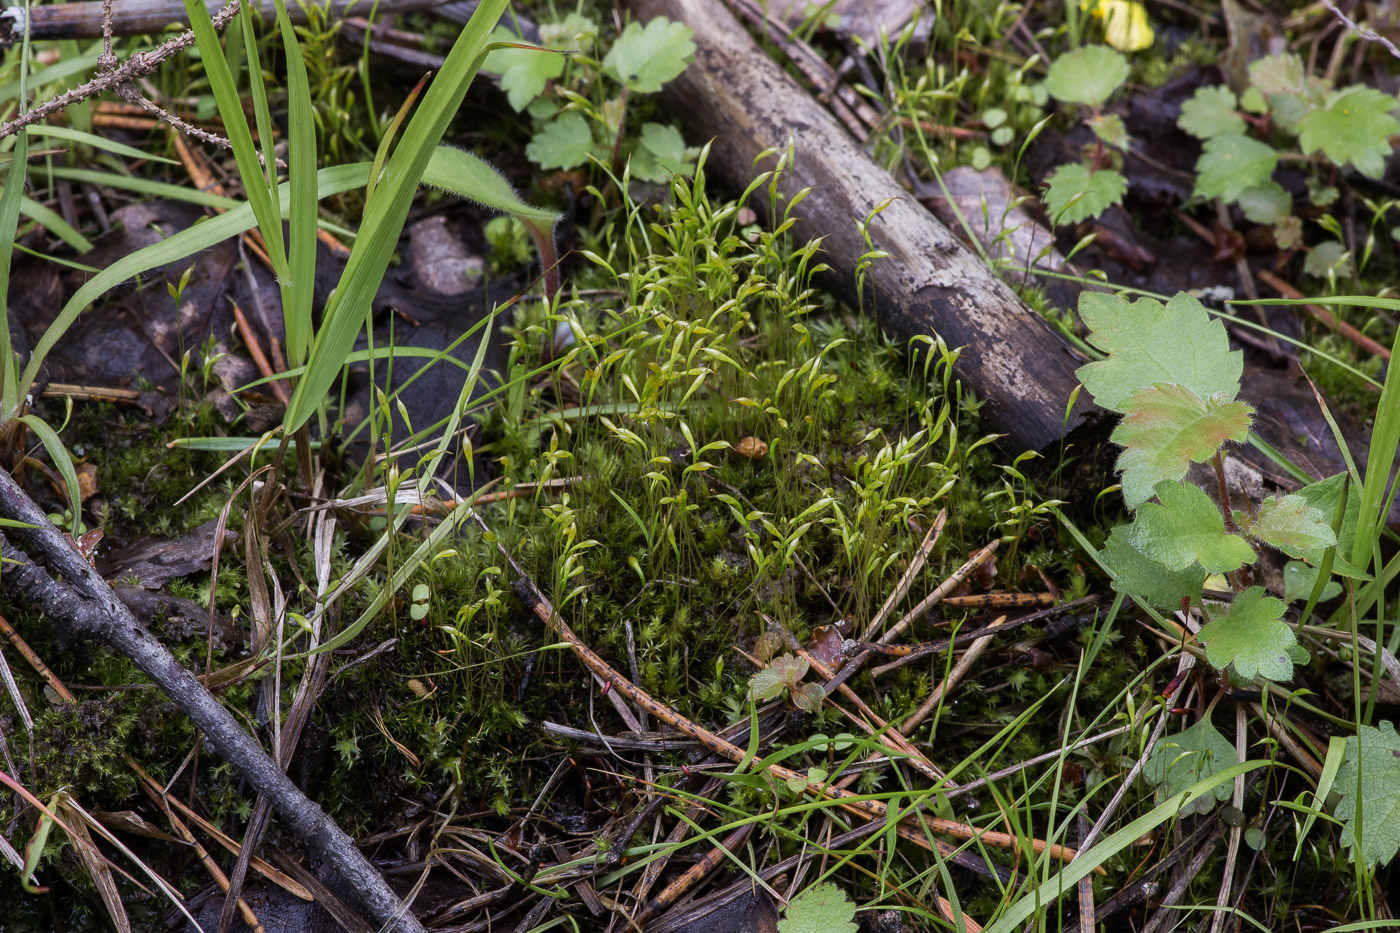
1125	23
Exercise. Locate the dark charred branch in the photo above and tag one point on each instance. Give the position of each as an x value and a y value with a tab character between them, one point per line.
75	596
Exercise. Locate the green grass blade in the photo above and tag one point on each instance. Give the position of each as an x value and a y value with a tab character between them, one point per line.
236	125
1336	752
55	72
428	468
155	189
1385	439
299	293
12	391
97	142
59	454
387	141
9	223
55	224
349	307
258	92
65	263
1084	863
230	445
173	249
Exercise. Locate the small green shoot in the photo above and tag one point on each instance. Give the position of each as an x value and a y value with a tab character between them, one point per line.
1088	77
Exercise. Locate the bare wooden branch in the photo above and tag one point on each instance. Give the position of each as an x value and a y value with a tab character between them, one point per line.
77	597
137	66
83	20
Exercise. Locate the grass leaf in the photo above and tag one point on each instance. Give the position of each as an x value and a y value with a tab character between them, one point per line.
349	306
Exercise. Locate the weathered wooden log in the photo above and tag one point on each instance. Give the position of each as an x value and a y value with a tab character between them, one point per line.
83	20
735	95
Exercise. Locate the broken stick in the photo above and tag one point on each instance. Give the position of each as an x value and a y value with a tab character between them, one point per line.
76	596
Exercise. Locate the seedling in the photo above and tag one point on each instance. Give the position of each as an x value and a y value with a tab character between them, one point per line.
784	674
579	104
1336	129
1088	77
1172	375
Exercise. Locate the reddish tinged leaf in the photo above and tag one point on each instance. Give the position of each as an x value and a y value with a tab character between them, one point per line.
826	646
1166	428
809	697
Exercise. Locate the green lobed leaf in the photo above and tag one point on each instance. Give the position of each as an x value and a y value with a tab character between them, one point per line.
562	143
822	908
767	684
1278	74
1187	528
790	669
1288	233
1149	343
1252	637
1168	427
574	33
1327	259
1373	755
1299	580
1180	760
1266	203
1110	128
1089	75
524	72
1073	193
644	58
808	697
1290	524
1211	112
1324	495
1146	580
1355	127
660	154
1231	164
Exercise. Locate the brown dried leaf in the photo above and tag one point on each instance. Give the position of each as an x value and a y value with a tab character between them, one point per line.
752	448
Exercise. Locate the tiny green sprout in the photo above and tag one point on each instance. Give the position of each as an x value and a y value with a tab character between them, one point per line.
177	291
784	674
419	610
798	784
1088	76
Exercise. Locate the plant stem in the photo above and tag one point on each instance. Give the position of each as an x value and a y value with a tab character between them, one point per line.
1240	578
1225	509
